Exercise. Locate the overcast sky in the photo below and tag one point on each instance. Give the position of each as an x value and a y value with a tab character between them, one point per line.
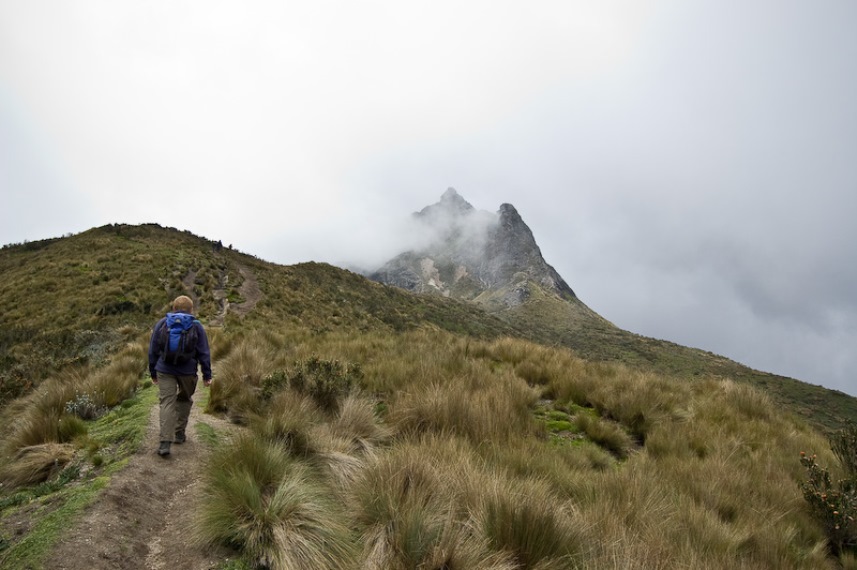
689	168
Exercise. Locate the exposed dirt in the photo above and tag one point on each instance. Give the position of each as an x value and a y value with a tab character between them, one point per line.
141	520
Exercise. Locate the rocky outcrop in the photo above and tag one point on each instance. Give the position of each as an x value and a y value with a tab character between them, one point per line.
474	255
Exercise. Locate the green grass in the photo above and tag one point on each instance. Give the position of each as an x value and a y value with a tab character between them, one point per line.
32	549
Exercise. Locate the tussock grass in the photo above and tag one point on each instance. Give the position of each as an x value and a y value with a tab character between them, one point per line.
36	463
269	506
288	420
461	473
441	459
527	520
239	376
358	423
412	504
606	434
53	415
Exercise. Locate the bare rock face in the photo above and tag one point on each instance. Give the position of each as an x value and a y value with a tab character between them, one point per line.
473	255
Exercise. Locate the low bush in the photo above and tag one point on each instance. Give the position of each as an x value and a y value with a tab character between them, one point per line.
835	505
325	381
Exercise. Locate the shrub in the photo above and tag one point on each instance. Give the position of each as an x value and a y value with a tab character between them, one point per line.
325	381
834	506
273	383
844	445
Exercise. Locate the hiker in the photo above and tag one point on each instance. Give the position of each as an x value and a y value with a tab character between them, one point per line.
177	347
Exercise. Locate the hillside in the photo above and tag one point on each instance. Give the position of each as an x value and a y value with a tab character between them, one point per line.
355	425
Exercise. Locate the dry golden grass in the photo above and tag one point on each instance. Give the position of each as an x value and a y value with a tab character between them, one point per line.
36	463
288	420
270	506
460	471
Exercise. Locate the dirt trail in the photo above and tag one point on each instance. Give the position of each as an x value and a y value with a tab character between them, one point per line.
141	520
248	290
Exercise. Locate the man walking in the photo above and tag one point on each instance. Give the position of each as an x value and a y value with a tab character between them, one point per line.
178	346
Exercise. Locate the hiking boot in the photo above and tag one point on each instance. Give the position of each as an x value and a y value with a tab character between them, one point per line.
180	437
164	449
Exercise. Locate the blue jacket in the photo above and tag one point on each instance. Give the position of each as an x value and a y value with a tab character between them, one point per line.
202	358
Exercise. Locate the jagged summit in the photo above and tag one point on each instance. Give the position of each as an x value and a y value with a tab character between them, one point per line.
446	212
475	255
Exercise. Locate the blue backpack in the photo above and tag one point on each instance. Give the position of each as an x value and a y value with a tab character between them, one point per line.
177	338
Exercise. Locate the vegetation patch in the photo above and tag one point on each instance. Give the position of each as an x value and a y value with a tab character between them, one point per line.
51	506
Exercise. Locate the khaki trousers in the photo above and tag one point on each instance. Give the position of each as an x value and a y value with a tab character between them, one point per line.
176	393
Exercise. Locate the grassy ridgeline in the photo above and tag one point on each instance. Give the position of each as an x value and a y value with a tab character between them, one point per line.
455	466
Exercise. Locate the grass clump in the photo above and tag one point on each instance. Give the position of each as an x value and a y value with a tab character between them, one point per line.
608	435
36	463
269	506
526	520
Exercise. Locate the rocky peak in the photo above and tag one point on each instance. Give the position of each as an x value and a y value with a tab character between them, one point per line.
451	206
473	254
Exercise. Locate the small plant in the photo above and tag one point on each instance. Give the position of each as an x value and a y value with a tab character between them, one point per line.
84	406
835	506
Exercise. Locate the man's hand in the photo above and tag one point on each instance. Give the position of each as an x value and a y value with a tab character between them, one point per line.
154	379
206	383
